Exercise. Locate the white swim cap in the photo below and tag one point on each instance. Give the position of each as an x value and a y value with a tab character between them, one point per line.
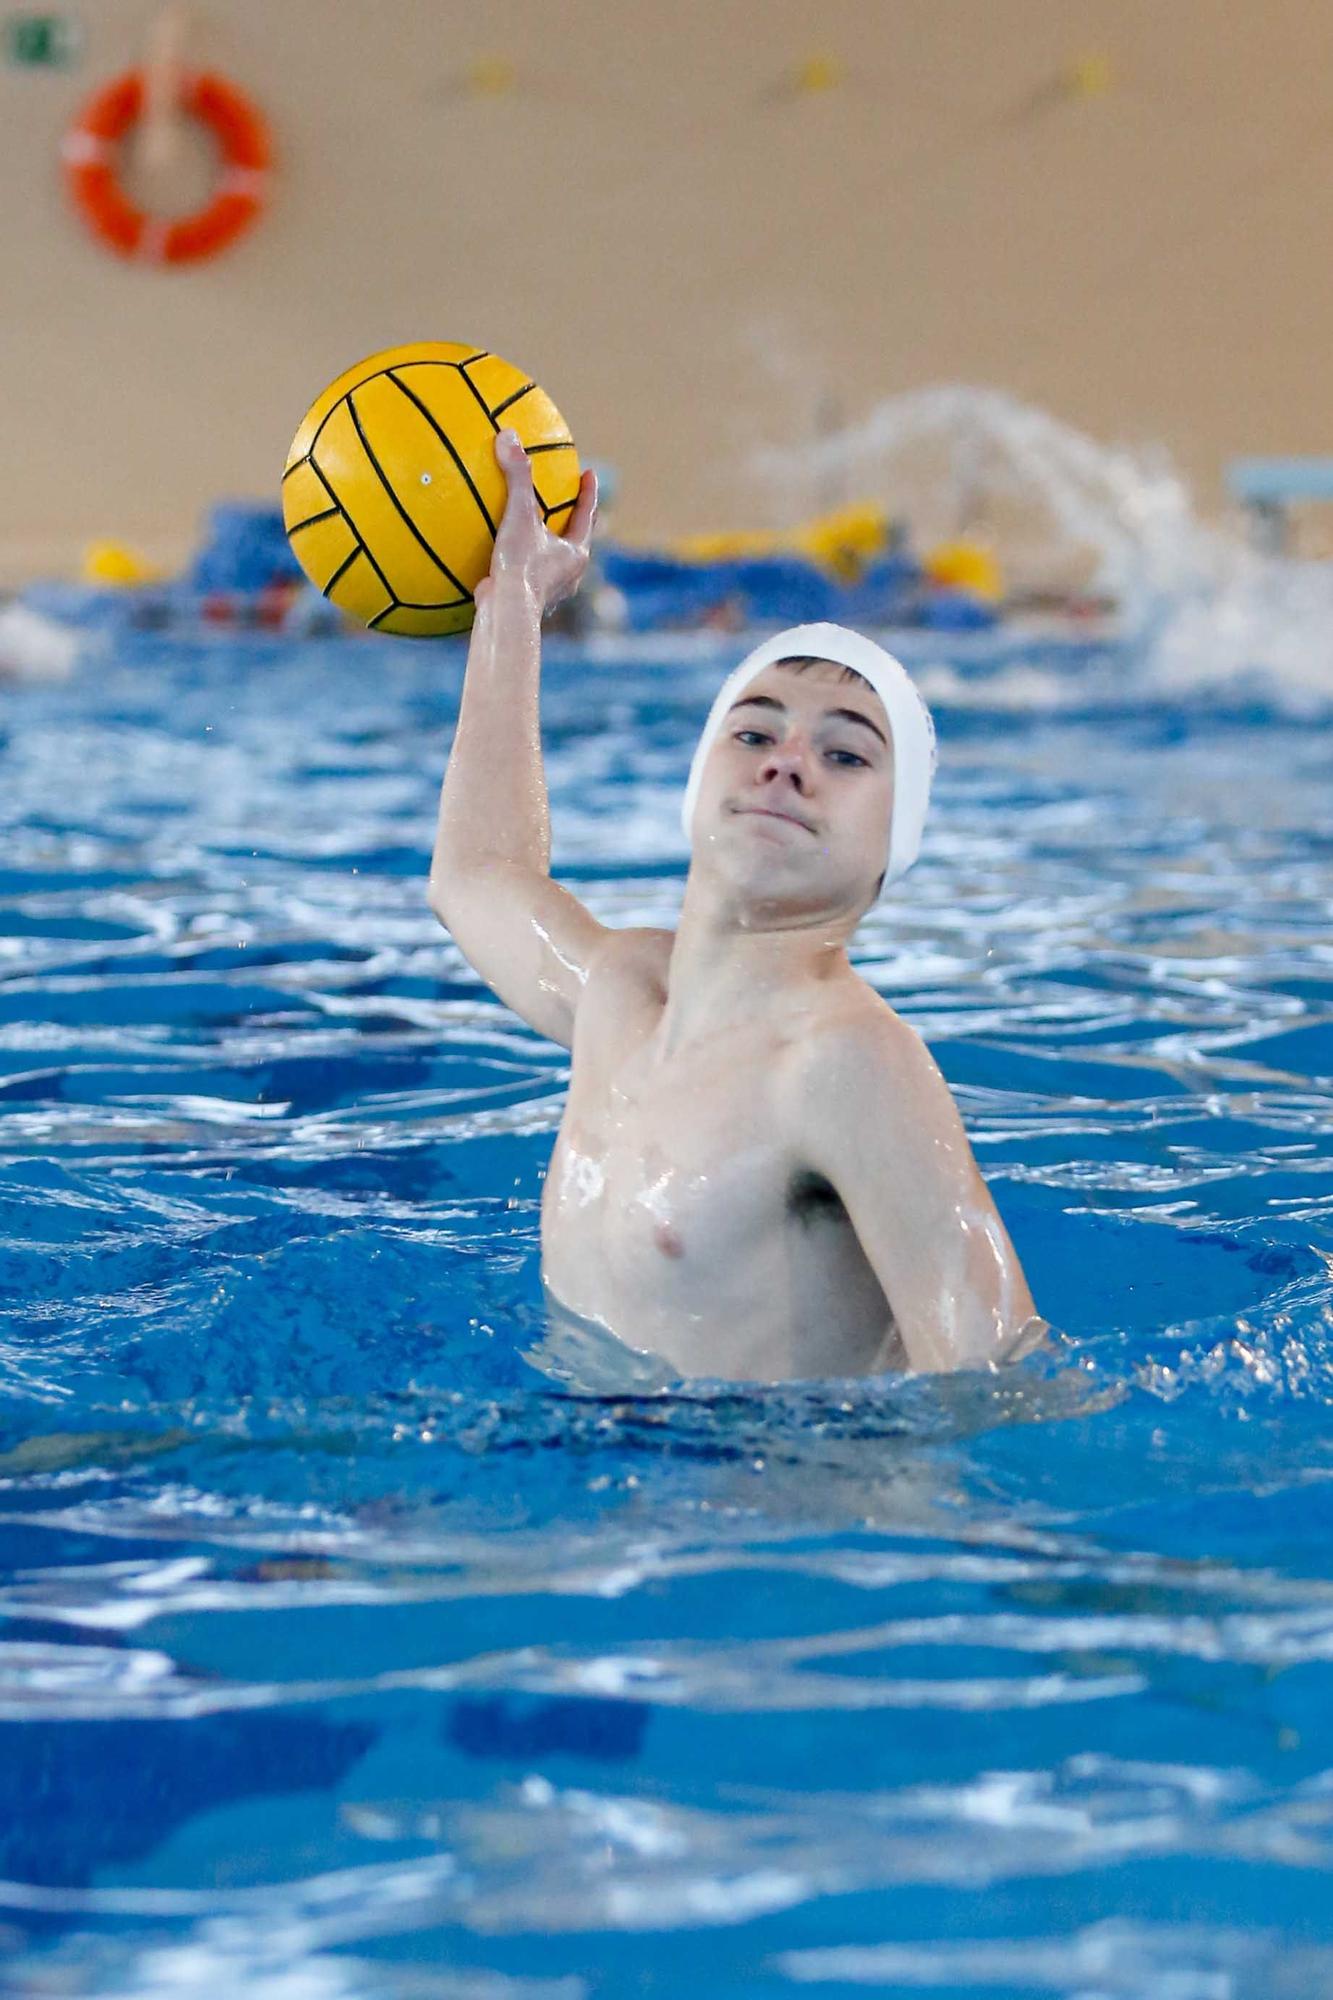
909	719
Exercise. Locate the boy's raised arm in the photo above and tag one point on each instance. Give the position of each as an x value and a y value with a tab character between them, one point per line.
490	884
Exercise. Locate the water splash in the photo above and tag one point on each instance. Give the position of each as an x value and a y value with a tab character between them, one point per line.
1069	513
1067	509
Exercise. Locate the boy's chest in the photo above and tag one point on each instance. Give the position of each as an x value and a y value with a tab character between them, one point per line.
679	1211
689	1158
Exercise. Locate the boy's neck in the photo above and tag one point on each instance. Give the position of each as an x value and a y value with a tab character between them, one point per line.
730	963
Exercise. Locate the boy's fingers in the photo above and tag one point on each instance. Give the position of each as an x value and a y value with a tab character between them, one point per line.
579	531
513	461
520	510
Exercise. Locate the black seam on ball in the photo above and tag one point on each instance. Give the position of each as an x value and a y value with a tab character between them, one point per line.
407	518
454	604
362	550
311	519
480	399
510	401
449	446
334	501
343	568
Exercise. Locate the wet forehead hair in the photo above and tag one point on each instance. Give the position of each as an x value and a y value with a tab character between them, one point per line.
798	662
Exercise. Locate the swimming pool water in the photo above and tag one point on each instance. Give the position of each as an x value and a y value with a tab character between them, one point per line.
358	1640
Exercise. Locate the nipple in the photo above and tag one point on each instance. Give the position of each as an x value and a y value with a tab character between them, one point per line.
668	1239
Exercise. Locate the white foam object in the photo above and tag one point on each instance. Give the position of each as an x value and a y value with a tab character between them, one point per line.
910	722
34	647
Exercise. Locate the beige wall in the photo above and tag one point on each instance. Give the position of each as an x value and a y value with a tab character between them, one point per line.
692	261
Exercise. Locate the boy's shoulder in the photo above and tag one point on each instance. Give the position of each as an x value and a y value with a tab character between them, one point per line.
853	1038
853	1014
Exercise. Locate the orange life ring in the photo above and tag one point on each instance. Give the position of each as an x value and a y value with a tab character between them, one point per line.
90	157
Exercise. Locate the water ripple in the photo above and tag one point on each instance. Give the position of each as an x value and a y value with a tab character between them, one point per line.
422	1650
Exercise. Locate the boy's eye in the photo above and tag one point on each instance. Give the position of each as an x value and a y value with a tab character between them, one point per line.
849	758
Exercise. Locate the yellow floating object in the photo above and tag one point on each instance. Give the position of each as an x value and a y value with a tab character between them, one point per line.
490	76
728	544
392	493
818	72
846	541
1090	75
966	565
842	542
115	563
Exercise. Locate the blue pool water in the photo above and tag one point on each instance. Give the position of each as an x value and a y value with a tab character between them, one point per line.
359	1640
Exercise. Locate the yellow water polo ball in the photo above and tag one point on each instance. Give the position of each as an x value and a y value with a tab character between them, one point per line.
392	494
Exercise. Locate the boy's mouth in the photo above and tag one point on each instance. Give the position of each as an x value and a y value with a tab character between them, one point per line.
773	812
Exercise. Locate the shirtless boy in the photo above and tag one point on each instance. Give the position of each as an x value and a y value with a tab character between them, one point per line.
760	1173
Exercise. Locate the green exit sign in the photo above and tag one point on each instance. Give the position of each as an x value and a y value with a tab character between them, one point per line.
41	41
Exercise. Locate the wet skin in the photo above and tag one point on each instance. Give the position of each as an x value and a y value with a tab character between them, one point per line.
687	1206
678	1210
760	1172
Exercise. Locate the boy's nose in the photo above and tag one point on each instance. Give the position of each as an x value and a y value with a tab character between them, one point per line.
786	760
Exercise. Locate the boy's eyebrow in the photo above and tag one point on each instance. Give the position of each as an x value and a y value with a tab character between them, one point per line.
846	714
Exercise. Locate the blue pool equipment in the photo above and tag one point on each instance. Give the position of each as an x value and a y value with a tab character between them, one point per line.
245	548
1267	487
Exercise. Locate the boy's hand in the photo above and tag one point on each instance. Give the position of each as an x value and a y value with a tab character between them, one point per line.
549	566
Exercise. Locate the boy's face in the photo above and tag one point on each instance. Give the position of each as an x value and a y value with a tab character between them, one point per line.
796	793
